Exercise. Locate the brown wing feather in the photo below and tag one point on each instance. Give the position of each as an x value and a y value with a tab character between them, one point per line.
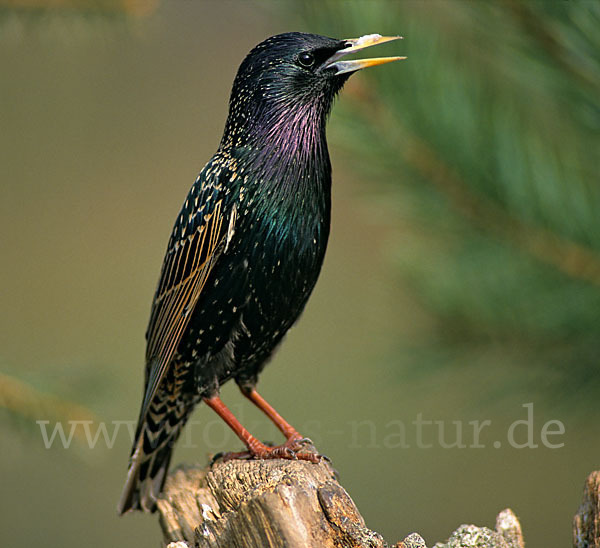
186	267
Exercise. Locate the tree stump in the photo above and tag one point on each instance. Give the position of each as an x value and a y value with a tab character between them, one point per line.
297	504
286	503
586	523
262	504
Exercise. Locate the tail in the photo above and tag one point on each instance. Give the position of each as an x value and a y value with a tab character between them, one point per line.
150	458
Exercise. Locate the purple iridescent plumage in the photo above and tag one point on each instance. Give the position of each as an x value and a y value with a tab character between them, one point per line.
245	252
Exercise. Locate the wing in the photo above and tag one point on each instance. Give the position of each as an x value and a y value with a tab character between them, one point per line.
202	230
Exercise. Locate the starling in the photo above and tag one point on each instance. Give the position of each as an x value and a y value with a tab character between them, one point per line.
245	251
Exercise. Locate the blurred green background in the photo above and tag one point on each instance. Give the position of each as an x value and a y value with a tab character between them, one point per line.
462	279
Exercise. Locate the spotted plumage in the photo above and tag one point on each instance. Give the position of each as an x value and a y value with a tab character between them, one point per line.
245	251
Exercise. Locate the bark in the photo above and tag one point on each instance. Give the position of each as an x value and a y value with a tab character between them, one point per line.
262	504
586	523
284	503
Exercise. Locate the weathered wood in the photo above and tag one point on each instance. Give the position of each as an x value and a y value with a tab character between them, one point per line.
262	504
291	504
586	523
508	525
296	504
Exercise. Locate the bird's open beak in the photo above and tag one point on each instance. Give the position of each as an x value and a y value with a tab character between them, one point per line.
357	44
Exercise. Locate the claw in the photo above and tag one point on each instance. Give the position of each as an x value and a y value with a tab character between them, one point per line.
291	450
302	441
216	457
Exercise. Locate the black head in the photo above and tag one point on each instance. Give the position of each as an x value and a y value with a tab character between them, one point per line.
291	66
291	76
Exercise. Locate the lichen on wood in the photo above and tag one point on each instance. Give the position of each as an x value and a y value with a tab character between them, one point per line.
297	504
262	504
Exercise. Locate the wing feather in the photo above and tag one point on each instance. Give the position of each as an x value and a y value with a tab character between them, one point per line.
198	238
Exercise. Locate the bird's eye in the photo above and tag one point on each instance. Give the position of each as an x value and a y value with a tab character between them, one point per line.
306	59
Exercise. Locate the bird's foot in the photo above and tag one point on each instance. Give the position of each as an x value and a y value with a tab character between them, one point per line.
292	449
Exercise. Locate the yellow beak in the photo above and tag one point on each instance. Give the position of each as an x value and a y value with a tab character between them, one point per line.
357	44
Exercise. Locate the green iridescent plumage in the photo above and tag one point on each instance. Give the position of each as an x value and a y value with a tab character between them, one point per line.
246	249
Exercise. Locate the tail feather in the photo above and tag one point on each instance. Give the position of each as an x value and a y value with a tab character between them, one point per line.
145	479
150	460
